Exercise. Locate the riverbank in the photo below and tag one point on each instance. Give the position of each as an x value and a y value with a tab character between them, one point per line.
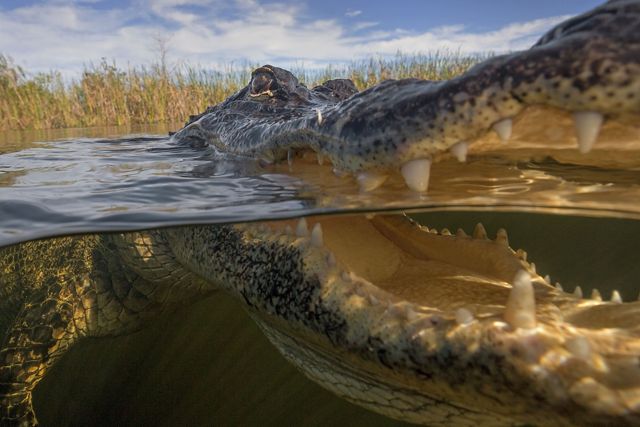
109	95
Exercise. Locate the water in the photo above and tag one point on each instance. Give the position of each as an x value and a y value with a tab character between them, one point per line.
578	220
96	180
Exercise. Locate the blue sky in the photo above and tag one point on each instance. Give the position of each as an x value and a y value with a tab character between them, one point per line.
66	34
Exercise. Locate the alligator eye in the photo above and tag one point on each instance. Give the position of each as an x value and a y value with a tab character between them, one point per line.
261	84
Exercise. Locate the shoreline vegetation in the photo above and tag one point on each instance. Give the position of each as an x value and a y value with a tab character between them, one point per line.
107	95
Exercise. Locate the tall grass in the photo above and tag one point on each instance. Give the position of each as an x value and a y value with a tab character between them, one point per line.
106	94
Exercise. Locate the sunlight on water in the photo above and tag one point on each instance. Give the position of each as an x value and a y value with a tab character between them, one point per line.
83	182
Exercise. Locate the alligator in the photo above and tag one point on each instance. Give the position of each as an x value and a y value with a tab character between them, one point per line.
430	327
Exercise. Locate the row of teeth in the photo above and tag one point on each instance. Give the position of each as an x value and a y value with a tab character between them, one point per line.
520	306
416	173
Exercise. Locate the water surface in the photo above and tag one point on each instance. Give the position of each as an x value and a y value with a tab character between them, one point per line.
89	180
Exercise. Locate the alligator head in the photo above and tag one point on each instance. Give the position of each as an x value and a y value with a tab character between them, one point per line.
428	327
583	74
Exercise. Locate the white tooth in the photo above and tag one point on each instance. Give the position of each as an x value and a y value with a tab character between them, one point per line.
301	229
411	314
416	174
316	235
459	151
369	181
463	316
319	113
320	159
502	237
290	158
559	287
331	259
587	128
579	347
577	292
340	174
615	297
479	232
520	253
547	279
445	232
460	233
595	295
503	129
533	267
520	311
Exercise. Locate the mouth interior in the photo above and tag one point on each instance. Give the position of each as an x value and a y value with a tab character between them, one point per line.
442	271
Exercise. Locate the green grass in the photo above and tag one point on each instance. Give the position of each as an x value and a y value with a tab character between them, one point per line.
107	95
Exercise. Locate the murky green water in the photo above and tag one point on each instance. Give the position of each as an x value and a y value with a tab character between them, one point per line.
208	364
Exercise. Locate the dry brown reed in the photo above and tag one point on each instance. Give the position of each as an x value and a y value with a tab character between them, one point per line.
106	95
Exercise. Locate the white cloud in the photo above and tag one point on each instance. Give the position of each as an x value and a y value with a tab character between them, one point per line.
70	33
353	13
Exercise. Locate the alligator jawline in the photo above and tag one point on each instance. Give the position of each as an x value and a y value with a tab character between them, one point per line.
437	312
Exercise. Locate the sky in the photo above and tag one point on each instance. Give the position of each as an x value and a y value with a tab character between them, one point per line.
66	35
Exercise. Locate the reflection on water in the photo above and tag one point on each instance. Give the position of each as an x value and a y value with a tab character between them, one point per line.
83	184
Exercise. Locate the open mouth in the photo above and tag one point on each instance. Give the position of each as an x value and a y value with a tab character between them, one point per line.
461	317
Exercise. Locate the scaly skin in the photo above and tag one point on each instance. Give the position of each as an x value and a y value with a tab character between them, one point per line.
421	334
433	329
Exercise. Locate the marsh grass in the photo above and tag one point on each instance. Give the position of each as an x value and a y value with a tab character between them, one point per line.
107	95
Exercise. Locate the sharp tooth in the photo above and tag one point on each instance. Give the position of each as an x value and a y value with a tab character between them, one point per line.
337	172
615	297
411	314
445	232
547	279
319	113
533	267
595	295
373	300
460	233
290	158
559	287
502	237
577	292
520	253
459	151
301	228
479	232
463	316
331	259
587	128
503	129
316	235
416	174
369	181
579	347
520	311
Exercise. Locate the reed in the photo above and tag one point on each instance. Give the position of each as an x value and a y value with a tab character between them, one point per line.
106	95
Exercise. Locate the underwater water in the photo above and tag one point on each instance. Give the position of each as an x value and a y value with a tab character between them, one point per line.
209	363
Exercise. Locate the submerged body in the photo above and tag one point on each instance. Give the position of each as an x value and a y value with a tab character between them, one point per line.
429	328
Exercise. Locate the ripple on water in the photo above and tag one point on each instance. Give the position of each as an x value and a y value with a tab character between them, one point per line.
120	183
